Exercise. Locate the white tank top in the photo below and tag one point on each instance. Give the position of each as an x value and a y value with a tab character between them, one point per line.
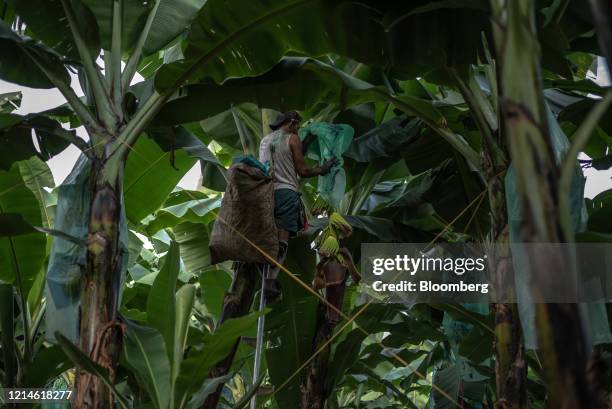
275	150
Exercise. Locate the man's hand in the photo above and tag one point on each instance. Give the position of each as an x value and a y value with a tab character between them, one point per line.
328	165
300	166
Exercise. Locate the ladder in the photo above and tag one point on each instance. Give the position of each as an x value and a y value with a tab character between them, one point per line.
261	321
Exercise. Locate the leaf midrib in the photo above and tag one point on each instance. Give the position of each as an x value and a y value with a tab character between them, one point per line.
150	370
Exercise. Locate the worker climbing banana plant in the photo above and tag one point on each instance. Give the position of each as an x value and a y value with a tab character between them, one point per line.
283	151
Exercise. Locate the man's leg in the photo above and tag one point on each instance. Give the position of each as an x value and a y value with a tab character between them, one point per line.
272	287
283	245
287	213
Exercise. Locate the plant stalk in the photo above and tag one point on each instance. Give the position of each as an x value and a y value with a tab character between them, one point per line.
132	65
561	339
100	331
101	97
115	57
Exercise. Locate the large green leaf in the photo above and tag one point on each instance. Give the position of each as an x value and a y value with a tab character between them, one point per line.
49	363
184	300
426	151
215	347
209	386
214	283
37	176
22	256
154	168
134	17
233	39
452	27
193	240
373	320
385	140
170	138
477	346
171	19
345	355
292	324
47	22
156	353
195	209
237	39
222	128
21	59
161	305
18	139
407	192
150	177
16	135
447	383
145	353
311	82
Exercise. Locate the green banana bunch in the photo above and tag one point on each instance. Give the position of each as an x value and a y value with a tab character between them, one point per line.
325	233
320	206
330	247
340	225
327	242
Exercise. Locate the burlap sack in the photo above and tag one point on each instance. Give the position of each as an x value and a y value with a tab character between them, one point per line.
246	218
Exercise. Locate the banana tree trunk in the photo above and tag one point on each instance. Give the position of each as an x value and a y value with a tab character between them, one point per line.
100	330
561	339
313	389
510	364
237	303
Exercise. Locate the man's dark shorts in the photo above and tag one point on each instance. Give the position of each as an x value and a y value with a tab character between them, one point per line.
288	210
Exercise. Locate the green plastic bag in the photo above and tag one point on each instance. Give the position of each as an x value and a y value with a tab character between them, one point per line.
63	281
332	141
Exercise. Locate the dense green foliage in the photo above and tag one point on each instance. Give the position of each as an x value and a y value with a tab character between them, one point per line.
421	84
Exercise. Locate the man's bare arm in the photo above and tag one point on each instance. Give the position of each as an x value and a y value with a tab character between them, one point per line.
298	159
